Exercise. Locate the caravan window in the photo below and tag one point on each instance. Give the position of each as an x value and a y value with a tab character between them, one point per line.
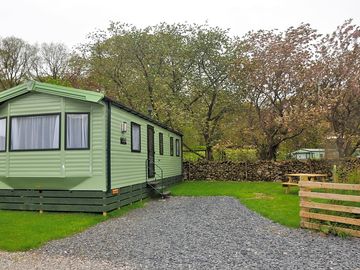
161	143
177	147
77	131
2	134
38	132
171	146
135	137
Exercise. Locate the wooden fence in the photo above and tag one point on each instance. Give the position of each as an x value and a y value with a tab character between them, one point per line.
321	206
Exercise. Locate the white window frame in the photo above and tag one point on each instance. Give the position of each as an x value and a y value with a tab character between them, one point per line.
5	137
87	130
58	147
177	147
133	124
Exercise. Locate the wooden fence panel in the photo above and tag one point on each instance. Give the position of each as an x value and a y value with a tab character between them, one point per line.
313	214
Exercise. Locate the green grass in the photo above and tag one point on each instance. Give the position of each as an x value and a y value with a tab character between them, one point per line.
23	230
267	199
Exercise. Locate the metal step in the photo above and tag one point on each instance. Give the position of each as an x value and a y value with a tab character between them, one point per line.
159	188
166	193
154	183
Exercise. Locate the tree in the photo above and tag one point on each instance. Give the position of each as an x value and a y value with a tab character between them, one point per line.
338	85
210	90
130	62
17	58
52	61
180	71
273	71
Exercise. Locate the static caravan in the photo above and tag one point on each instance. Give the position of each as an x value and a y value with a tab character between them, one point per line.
308	153
65	149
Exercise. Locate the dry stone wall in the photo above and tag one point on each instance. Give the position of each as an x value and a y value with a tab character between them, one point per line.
261	170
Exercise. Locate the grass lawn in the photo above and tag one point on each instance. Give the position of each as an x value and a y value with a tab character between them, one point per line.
23	230
268	199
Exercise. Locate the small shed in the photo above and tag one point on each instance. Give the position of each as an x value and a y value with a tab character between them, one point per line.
65	149
308	153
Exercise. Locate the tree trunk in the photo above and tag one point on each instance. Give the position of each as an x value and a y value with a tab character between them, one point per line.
340	144
268	151
209	152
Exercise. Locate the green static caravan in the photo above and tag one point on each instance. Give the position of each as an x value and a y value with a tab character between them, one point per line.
65	149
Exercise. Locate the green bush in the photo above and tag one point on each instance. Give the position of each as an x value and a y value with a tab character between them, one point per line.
349	177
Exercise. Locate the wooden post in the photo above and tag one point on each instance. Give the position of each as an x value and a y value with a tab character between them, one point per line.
287	190
334	174
104	214
41	201
303	199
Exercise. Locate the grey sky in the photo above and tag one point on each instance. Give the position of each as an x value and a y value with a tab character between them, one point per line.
69	21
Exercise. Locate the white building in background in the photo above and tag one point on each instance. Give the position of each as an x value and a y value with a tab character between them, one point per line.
308	153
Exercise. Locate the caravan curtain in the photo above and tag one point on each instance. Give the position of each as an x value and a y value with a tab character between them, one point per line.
77	131
35	132
2	134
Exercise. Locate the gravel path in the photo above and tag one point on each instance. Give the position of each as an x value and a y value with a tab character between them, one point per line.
191	233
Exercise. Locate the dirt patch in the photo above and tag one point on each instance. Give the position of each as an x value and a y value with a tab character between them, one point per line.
262	196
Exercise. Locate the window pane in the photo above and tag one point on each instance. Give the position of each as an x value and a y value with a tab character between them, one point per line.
161	144
77	131
35	132
177	145
171	146
2	134
135	137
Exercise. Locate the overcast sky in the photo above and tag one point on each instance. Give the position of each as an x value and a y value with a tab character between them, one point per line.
69	21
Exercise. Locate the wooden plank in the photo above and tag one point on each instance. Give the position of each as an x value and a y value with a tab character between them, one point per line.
329	196
71	208
137	192
125	202
289	184
111	206
52	193
338	186
17	199
11	192
17	206
125	189
316	226
67	201
325	217
330	207
73	194
56	200
111	200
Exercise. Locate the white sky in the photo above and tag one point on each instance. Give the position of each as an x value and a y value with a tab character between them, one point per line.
69	21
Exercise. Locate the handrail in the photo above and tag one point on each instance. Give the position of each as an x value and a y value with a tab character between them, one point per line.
161	175
161	170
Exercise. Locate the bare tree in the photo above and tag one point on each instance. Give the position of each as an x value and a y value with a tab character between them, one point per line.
53	61
17	57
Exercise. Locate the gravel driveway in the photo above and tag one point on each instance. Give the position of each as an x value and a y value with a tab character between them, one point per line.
191	233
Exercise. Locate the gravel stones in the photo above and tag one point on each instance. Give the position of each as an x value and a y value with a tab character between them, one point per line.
191	233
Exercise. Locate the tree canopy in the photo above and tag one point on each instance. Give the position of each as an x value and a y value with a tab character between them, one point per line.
267	90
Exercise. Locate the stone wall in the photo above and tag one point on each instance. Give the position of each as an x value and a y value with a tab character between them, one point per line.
261	170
